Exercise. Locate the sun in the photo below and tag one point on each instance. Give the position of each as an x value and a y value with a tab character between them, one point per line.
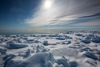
47	4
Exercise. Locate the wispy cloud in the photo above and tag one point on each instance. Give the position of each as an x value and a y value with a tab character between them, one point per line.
89	23
64	12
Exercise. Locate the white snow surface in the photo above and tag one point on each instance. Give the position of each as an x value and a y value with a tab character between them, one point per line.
69	49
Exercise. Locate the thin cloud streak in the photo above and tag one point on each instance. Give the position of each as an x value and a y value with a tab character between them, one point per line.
90	23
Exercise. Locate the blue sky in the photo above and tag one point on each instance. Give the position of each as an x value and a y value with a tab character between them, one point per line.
48	16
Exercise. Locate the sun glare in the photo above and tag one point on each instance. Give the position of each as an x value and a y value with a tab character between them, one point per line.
47	4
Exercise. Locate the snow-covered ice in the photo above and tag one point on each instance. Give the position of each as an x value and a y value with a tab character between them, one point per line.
69	49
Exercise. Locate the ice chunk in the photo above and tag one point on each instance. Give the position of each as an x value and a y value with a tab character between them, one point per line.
17	46
60	38
62	61
90	55
50	64
78	34
96	39
3	51
73	64
7	58
87	41
28	53
45	43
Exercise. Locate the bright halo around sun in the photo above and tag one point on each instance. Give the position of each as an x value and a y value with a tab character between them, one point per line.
47	4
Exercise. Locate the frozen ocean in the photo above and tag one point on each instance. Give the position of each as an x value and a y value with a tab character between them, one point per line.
69	49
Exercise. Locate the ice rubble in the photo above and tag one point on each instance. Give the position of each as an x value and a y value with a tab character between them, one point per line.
69	49
36	60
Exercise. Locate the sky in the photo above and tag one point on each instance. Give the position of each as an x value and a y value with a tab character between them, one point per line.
48	16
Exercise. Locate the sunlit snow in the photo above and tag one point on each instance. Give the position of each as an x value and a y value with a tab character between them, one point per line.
69	49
